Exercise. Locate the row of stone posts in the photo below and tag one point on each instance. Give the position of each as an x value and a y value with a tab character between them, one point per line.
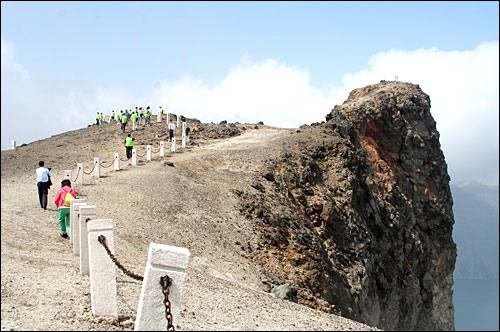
86	235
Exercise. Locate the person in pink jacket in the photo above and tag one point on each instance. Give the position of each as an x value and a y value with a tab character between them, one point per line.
61	206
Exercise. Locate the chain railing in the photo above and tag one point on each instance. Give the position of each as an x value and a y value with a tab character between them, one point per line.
77	175
102	240
90	170
140	156
152	150
102	164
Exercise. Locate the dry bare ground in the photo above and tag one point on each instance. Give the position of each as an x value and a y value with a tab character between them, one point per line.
191	204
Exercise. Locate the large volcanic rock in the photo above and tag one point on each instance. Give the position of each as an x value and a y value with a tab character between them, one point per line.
357	213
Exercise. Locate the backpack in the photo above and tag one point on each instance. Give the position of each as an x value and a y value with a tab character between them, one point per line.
67	199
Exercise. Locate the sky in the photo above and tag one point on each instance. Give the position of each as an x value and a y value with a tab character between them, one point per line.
283	63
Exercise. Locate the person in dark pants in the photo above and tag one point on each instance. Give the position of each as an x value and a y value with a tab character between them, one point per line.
171	127
43	183
129	144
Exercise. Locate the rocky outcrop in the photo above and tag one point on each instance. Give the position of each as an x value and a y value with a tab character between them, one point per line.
357	213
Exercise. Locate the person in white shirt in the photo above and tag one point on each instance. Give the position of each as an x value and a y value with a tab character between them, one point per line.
171	127
43	183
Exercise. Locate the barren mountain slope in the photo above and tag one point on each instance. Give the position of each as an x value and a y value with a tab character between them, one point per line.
192	204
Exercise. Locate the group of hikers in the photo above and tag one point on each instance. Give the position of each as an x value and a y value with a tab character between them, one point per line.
139	115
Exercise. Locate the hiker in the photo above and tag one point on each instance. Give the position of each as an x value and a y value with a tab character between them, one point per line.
148	117
101	117
160	111
141	115
113	115
129	144
123	118
171	127
97	119
133	117
62	202
43	183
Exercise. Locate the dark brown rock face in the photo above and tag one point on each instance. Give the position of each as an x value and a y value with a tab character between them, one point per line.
357	213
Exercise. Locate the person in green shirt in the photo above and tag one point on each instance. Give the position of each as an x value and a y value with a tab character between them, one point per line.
100	118
123	117
97	119
129	144
148	117
113	115
133	117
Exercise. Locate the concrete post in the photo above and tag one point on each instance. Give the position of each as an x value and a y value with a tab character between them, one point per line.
183	142
86	212
97	171
149	152
117	161
102	270
183	129
75	227
162	260
13	143
168	118
80	172
134	157
162	149
72	208
172	148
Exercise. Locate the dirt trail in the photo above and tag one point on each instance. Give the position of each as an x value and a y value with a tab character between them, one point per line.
191	204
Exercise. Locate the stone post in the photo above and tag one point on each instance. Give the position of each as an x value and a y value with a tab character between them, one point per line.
162	149
75	226
168	118
72	208
162	260
102	270
149	152
13	144
67	174
80	172
86	212
183	129
183	142
178	121
172	148
117	161
97	171
134	157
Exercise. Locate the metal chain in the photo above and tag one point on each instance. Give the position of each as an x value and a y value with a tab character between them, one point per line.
165	283
77	174
102	164
138	155
124	159
156	150
102	240
90	170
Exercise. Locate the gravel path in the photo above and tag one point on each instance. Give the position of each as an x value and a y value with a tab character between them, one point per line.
191	204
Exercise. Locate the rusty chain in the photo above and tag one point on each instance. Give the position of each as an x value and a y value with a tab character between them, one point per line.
165	283
77	174
152	150
90	170
102	240
102	164
140	156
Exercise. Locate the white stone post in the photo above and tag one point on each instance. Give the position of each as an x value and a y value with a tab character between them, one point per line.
97	171
168	118
134	157
149	152
13	143
86	213
183	129
117	161
75	227
162	260
172	148
102	270
72	208
162	149
80	172
183	142
178	121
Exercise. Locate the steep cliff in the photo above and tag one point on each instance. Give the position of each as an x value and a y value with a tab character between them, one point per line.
357	213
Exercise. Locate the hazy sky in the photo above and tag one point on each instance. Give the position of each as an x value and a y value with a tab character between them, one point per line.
284	63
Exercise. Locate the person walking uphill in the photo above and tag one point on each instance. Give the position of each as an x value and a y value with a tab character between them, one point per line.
129	144
43	183
148	117
97	118
63	204
123	119
171	127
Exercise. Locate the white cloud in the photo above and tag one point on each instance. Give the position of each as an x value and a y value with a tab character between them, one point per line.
463	87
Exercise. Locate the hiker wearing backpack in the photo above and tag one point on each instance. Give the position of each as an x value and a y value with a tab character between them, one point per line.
129	144
63	201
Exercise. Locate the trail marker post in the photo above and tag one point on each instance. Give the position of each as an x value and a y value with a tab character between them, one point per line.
162	260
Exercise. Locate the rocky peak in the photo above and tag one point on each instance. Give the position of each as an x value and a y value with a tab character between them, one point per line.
357	213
